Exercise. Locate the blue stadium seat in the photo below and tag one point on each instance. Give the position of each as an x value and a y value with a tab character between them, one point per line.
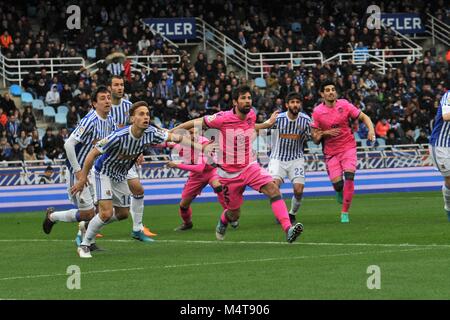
61	119
63	110
260	83
26	98
381	144
296	27
363	142
41	132
356	135
37	104
15	90
91	53
49	112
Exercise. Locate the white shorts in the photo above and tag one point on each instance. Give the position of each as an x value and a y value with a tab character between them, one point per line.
133	173
83	200
107	189
441	159
294	170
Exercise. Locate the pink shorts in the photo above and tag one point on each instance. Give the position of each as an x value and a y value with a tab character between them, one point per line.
232	196
338	163
197	182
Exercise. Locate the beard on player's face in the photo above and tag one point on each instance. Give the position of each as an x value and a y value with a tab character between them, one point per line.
244	109
294	110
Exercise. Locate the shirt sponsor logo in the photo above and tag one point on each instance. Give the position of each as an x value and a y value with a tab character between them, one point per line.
290	136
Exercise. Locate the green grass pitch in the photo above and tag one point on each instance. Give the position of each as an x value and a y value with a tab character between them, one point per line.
406	234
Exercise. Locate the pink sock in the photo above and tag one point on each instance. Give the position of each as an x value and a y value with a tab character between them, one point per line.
224	218
349	188
281	213
186	214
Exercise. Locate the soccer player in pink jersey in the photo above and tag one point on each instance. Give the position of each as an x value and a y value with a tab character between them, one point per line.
331	127
237	167
201	174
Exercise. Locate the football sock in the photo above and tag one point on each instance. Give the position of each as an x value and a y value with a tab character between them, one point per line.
295	205
224	217
446	194
349	188
186	214
65	216
94	227
281	213
137	212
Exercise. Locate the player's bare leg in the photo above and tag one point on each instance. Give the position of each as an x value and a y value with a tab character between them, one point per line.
137	207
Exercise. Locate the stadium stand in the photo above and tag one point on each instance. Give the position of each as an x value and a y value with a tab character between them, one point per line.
405	95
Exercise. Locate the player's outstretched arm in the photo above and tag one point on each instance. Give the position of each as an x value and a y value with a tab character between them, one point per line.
88	163
197	123
268	123
366	119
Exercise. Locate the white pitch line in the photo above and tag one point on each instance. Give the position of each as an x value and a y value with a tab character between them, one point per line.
213	263
216	242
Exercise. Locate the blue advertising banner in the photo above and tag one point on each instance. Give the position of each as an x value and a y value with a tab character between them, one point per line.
404	23
173	28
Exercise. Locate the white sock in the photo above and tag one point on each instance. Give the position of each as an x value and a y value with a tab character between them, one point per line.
295	205
137	212
65	216
93	228
446	194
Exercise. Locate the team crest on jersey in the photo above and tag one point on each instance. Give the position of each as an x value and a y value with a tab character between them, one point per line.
249	121
81	130
340	110
211	118
102	142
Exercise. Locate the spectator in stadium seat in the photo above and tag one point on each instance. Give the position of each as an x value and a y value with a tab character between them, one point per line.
49	143
5	39
3	119
16	153
12	128
8	105
46	177
409	137
392	138
23	140
382	128
52	97
422	138
35	141
5	148
66	94
29	154
72	117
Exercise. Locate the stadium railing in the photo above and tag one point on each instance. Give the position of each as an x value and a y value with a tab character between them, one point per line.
259	64
138	62
439	30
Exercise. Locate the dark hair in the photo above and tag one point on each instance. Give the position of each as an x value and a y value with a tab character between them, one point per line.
292	96
100	89
114	77
326	83
240	91
138	104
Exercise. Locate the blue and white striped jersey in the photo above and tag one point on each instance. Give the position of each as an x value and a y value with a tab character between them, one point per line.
121	149
121	113
440	136
289	136
91	129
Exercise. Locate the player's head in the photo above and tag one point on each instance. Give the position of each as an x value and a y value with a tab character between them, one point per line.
140	114
101	99
328	91
242	99
293	103
116	85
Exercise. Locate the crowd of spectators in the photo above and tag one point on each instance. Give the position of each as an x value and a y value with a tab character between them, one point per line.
399	102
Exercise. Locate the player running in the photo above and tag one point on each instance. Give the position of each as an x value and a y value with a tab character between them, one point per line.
288	135
96	125
440	147
237	166
118	152
120	113
331	127
201	174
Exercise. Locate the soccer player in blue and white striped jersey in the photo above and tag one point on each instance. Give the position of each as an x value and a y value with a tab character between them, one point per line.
289	134
121	113
116	154
440	146
96	125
